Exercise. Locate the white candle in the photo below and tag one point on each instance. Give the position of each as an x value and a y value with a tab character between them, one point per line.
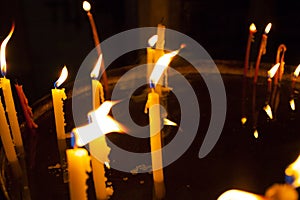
7	143
78	166
8	98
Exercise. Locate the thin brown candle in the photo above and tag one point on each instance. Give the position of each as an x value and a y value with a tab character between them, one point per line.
252	30
262	51
280	58
87	7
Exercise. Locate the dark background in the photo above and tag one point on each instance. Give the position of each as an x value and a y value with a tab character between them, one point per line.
53	33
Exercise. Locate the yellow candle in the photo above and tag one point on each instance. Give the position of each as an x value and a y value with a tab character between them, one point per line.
155	143
8	98
98	147
78	166
7	143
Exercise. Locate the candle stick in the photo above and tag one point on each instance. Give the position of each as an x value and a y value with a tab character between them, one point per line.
280	59
8	98
87	7
78	166
262	51
98	147
252	30
8	144
58	95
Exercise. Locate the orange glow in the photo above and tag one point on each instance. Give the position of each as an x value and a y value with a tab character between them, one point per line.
152	41
292	104
252	28
162	63
268	110
95	72
3	49
238	195
81	152
268	28
255	133
86	6
63	76
273	70
294	171
244	120
297	71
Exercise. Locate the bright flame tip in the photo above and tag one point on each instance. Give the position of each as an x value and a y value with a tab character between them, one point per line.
3	49
96	70
268	28
86	6
252	27
63	76
273	70
255	133
152	40
297	71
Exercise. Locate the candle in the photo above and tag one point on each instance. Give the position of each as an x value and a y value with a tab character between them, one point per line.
150	55
280	59
252	30
295	76
262	51
98	147
8	144
239	194
78	166
87	7
58	95
8	98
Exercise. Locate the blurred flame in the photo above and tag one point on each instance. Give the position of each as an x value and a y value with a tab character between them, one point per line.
252	27
162	63
268	28
107	164
81	152
238	195
273	70
2	50
244	120
297	71
86	6
268	110
255	133
169	122
63	76
292	104
95	72
293	170
152	41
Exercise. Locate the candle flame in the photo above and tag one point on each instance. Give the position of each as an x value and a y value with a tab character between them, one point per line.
268	110
160	66
273	70
268	28
292	104
63	76
244	120
100	123
255	133
169	122
95	72
107	164
252	27
297	71
293	170
238	195
86	6
2	50
152	41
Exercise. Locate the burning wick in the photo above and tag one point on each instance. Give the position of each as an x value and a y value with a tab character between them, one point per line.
63	76
2	50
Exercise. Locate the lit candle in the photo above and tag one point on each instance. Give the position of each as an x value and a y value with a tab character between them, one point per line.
159	51
98	147
8	144
271	74
252	30
58	95
155	125
262	51
239	194
8	98
280	59
87	7
295	76
78	166
150	55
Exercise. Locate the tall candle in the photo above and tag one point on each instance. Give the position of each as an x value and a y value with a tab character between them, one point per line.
98	147
78	166
8	98
87	7
58	95
8	144
262	51
252	30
